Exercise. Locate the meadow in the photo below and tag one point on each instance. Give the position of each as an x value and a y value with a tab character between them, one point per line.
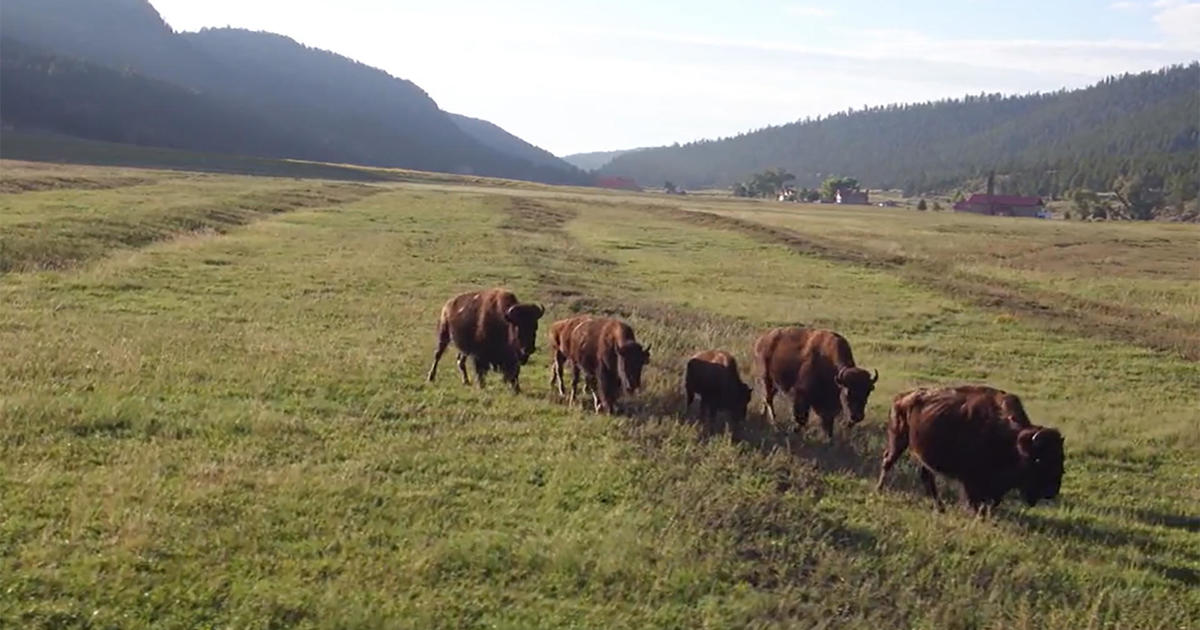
213	411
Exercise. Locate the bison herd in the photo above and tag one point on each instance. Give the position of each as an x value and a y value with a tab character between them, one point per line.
977	435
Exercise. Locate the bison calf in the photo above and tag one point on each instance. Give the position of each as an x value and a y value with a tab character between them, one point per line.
561	340
713	376
816	368
493	329
978	436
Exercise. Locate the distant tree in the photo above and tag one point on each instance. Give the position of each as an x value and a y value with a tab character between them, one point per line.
768	183
669	187
937	207
741	190
921	205
831	185
1181	188
813	195
958	195
1141	196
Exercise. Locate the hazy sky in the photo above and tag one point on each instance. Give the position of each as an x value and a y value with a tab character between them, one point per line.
575	76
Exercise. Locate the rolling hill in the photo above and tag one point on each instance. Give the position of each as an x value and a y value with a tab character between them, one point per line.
595	159
491	135
1046	142
306	103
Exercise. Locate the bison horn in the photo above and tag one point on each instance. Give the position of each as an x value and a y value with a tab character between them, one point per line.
1037	437
840	378
875	377
540	310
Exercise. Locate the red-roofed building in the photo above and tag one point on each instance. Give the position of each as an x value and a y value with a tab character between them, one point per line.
621	183
1002	205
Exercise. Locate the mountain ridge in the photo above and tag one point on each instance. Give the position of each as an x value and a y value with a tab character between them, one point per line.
1048	141
328	107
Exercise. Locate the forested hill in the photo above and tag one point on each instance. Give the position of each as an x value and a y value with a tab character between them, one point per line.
595	159
302	102
497	138
1047	143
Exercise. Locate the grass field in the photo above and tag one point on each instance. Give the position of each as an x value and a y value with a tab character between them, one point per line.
213	412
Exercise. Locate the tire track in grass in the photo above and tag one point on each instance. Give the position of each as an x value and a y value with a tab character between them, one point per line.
70	242
1057	312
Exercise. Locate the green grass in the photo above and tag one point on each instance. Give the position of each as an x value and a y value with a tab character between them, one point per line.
229	427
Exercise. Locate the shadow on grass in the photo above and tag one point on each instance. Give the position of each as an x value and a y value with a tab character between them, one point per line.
1101	536
1165	519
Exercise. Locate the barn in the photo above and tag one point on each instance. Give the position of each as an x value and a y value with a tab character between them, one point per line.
1002	205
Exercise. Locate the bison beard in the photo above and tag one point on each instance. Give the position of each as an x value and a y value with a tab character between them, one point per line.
493	329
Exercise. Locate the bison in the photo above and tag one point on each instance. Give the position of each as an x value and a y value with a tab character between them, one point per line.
561	339
979	436
610	357
816	368
492	328
713	376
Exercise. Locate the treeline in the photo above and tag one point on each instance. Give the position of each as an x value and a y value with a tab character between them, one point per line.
1045	144
113	70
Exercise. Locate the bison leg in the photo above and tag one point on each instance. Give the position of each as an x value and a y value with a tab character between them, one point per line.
443	340
481	368
462	368
976	501
604	387
896	445
769	398
800	409
931	487
827	424
556	372
688	396
574	384
512	376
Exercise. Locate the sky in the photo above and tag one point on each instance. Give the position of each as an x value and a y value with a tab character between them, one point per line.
574	75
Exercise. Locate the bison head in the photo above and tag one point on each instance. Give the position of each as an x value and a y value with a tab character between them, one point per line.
522	325
856	385
631	358
1041	452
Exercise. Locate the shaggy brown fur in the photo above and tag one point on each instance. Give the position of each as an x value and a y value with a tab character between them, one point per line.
817	370
493	329
979	436
610	357
561	339
713	376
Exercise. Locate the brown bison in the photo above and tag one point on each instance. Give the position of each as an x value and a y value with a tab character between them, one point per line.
610	357
492	328
816	369
713	376
979	436
561	338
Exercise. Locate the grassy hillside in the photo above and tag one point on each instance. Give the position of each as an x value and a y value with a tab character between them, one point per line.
228	426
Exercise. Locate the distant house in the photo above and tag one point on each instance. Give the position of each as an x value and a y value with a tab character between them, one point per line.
1002	205
845	195
621	183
